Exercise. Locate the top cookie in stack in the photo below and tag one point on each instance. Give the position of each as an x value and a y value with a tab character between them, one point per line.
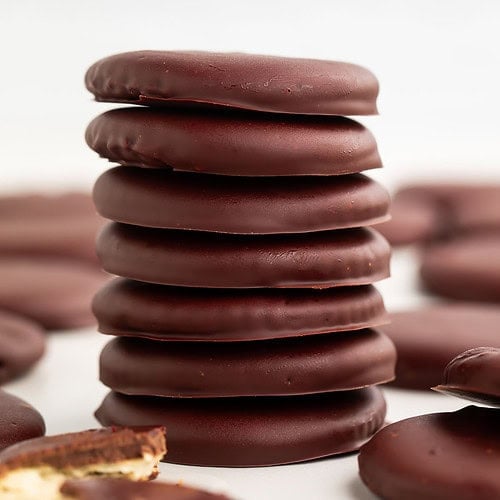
240	223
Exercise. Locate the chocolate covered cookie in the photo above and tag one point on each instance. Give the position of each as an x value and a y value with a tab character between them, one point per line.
59	225
37	468
54	292
249	81
122	489
22	344
187	258
245	144
435	211
474	375
313	364
440	456
427	339
18	421
258	205
134	309
413	221
247	432
466	268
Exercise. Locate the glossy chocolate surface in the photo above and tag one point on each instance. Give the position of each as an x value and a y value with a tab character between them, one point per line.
427	339
245	144
187	258
246	432
131	308
440	456
258	82
22	344
313	364
474	375
18	420
261	205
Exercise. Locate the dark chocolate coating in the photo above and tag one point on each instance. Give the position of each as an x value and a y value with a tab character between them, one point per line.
427	339
248	144
54	292
188	258
18	421
313	364
467	268
22	344
441	456
80	449
246	432
260	205
60	225
474	375
122	489
131	308
249	81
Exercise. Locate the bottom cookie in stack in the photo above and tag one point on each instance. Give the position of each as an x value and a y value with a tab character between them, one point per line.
249	403
246	432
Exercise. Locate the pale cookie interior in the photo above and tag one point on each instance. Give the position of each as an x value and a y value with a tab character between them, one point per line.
44	482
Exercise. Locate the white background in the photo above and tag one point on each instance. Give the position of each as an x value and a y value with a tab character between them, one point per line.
438	63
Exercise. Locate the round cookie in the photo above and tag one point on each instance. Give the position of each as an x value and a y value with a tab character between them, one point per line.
46	205
18	420
467	268
247	432
188	258
474	375
248	144
313	364
64	225
99	488
53	292
412	221
439	456
461	208
261	205
427	339
248	81
135	309
22	344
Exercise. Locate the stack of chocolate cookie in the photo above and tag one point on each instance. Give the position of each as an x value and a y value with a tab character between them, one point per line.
244	315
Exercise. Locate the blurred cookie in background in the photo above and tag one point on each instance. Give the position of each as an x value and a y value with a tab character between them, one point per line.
436	211
427	339
52	291
18	421
37	224
22	344
413	220
465	268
